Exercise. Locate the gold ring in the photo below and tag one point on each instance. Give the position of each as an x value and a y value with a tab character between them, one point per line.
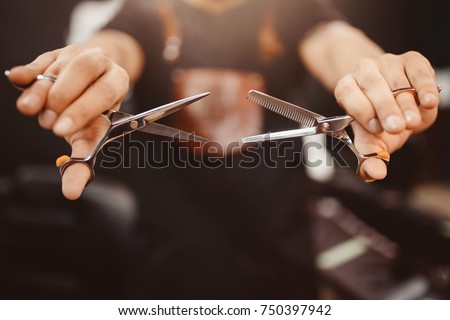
411	90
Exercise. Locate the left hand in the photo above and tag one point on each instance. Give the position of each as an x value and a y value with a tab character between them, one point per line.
382	121
88	83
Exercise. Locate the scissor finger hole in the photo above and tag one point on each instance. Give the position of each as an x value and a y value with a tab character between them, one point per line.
372	169
75	178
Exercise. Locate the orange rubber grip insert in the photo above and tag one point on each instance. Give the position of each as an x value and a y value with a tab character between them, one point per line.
61	160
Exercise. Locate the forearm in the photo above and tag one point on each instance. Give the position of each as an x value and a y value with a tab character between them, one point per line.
332	50
122	48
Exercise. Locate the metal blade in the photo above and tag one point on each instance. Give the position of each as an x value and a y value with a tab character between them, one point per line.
281	135
165	131
116	116
336	123
286	109
163	111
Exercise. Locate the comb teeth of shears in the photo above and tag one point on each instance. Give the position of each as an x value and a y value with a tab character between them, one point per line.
288	110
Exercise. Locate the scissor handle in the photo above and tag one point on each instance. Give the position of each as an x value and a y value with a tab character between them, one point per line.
63	162
382	155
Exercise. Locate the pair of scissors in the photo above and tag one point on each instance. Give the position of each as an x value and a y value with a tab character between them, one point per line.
122	123
312	123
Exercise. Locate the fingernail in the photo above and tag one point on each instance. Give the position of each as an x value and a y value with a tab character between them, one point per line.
411	117
7	73
393	122
375	126
29	102
429	99
47	118
63	126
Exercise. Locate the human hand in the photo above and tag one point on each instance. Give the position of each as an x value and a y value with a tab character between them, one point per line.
384	122
88	83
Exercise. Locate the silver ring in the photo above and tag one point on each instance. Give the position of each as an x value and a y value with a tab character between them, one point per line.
44	77
26	86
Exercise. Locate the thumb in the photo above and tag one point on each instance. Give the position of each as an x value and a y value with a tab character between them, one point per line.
74	180
373	169
77	175
366	143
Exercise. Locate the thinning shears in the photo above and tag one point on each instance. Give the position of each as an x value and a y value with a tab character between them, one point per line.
122	123
312	123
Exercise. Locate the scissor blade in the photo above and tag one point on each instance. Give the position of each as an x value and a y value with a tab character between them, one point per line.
286	109
163	111
165	131
336	123
117	116
281	135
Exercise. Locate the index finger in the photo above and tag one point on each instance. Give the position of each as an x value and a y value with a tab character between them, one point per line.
33	99
25	74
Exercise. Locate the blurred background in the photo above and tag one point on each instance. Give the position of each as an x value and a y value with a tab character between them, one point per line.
387	240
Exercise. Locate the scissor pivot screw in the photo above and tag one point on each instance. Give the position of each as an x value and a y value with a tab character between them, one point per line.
134	125
325	126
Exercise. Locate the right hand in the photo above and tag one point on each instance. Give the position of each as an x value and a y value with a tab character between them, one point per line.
384	122
88	83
